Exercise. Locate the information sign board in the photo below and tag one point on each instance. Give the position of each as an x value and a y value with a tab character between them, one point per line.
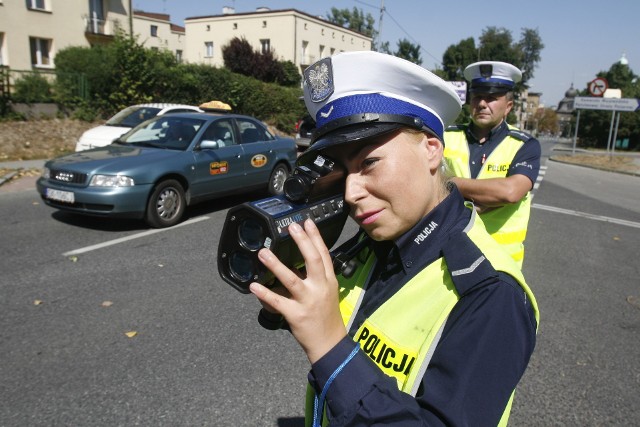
609	104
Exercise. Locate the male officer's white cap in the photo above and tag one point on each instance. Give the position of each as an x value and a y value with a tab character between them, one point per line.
355	96
492	76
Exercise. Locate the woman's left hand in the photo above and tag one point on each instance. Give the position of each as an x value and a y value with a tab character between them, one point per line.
312	306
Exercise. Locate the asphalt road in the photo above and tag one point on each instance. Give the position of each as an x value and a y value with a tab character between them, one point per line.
72	287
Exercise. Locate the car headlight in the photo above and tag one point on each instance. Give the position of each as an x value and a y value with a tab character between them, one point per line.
46	173
111	181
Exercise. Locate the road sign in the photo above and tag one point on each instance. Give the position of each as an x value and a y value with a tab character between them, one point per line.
609	104
597	86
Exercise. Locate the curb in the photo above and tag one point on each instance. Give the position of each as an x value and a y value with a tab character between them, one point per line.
597	167
8	176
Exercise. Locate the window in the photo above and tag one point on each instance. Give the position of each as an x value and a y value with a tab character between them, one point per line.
235	25
36	4
179	56
2	60
264	24
265	45
251	132
154	31
208	49
321	51
222	132
40	52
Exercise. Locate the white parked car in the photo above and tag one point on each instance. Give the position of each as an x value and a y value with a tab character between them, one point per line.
125	120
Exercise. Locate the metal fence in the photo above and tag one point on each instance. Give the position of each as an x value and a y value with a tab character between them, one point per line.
24	86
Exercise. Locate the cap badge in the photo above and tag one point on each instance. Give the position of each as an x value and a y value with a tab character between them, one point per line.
486	70
319	79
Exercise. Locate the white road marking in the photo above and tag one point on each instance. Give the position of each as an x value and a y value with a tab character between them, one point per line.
132	237
541	172
587	215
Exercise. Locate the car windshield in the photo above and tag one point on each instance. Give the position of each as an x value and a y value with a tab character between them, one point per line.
169	132
133	116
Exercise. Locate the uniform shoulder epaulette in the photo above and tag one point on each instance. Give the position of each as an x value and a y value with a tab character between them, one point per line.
454	128
467	265
520	135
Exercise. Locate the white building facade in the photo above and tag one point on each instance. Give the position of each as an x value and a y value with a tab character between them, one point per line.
292	35
32	31
155	31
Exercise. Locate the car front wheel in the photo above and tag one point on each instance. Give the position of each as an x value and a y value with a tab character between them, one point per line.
276	182
166	204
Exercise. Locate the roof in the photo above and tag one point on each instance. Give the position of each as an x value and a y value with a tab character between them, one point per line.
158	16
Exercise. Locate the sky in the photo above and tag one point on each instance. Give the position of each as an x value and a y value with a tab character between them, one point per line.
581	37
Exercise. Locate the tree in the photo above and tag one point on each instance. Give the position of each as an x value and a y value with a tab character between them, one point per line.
457	57
595	125
241	58
408	51
384	48
529	46
495	44
546	121
354	20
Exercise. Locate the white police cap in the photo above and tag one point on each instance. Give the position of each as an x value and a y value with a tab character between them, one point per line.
492	76
357	95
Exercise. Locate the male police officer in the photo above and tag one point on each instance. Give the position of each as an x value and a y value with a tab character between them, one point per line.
495	165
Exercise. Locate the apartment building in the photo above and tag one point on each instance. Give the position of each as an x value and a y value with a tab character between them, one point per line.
155	31
292	35
32	31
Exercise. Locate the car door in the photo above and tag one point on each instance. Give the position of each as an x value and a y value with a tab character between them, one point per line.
221	169
258	152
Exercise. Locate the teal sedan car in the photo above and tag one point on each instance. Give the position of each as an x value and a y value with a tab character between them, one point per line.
165	164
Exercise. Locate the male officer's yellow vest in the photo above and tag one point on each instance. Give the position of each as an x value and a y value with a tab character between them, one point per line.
402	334
506	224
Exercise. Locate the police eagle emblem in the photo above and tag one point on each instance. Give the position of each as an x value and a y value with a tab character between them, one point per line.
319	80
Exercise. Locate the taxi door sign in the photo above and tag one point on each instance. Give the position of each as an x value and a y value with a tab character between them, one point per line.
217	168
259	160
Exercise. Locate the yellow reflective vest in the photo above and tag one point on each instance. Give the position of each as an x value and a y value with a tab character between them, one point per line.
401	336
506	224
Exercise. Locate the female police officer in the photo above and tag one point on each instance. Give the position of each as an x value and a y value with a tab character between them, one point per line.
436	325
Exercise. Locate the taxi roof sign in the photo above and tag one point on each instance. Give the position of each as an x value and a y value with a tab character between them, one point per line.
215	106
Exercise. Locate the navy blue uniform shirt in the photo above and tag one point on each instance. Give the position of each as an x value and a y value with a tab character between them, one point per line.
526	161
484	350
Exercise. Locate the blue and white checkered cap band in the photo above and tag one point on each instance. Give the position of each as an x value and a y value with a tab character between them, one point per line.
377	104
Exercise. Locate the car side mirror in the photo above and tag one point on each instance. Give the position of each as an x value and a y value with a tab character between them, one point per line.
209	145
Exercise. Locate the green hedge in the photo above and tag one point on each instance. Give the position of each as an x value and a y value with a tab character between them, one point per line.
125	73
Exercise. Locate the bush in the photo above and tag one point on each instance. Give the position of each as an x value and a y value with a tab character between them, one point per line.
32	88
125	73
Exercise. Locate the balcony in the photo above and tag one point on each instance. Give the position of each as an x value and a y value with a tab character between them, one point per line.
100	30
